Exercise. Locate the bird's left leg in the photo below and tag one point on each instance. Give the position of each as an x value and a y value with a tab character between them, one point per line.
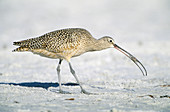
75	76
59	78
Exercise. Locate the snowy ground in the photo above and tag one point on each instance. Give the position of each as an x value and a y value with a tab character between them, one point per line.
28	83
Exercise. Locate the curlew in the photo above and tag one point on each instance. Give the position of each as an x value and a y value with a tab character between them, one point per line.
67	43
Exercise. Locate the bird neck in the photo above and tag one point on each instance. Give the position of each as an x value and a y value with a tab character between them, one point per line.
97	45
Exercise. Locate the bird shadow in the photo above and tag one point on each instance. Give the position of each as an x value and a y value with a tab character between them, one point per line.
44	85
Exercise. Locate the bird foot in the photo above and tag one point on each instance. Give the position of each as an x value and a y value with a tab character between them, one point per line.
64	92
85	92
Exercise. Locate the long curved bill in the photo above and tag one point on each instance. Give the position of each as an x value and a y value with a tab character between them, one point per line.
135	60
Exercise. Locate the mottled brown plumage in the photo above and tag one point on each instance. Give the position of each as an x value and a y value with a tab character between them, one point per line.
63	44
67	43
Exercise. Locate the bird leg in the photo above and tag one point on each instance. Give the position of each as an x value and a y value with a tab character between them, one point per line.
58	72
59	78
75	76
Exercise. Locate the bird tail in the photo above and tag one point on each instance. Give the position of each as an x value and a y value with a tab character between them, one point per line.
18	43
20	49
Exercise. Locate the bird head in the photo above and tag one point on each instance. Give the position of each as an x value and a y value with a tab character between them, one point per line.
109	42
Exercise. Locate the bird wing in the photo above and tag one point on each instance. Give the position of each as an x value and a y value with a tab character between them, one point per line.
60	42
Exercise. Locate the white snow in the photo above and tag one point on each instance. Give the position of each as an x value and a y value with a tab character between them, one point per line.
28	82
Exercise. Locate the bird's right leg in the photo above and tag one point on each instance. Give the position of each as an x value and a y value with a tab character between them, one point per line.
75	76
59	78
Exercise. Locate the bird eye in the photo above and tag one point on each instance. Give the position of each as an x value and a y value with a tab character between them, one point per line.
110	40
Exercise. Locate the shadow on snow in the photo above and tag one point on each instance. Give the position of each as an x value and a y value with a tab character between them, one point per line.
44	85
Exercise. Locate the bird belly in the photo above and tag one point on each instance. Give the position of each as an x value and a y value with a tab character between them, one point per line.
65	54
46	53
